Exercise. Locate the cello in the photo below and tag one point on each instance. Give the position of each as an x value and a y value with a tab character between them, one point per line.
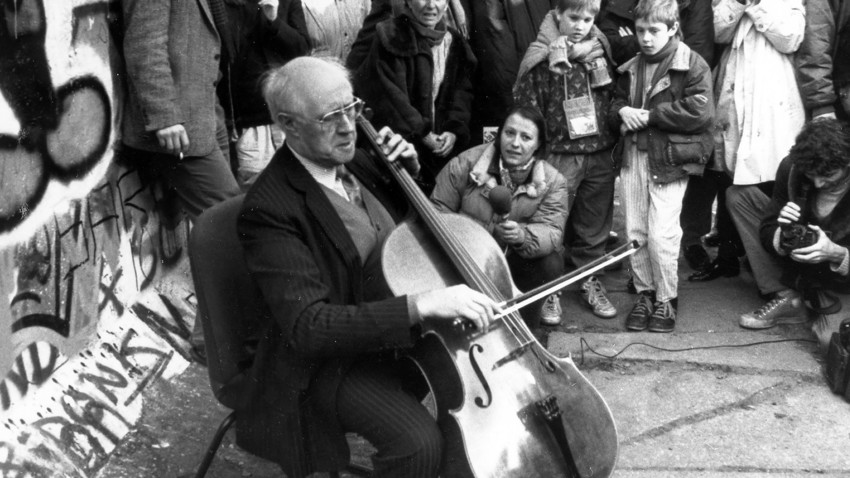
507	407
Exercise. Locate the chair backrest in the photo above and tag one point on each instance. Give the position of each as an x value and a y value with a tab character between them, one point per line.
229	302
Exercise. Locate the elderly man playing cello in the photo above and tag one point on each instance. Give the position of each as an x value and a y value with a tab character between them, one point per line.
311	230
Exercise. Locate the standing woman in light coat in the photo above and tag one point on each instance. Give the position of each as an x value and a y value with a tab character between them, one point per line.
759	109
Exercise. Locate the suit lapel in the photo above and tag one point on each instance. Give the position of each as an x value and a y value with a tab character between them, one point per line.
205	9
321	209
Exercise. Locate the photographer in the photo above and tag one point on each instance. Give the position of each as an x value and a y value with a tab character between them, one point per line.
799	253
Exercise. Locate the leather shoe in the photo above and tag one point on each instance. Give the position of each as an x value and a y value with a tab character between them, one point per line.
630	286
199	354
697	257
718	268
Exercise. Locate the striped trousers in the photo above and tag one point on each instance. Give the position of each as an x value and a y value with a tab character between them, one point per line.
652	218
374	401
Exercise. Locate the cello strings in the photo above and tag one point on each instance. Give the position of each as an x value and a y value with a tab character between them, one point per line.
515	325
480	279
451	244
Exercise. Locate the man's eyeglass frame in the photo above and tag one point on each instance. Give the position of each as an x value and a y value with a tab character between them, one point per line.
333	118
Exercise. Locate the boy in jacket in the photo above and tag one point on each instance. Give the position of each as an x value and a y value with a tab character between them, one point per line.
566	73
664	109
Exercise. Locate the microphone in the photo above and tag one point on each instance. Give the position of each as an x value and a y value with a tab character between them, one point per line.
500	200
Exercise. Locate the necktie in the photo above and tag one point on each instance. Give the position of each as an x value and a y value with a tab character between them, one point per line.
351	186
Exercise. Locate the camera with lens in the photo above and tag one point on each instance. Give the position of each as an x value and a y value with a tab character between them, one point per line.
795	236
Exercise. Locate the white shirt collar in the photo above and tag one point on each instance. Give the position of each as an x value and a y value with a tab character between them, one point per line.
327	177
324	176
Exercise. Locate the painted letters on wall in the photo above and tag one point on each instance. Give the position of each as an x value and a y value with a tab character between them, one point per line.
97	300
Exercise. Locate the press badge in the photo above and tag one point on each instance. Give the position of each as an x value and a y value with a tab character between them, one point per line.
581	114
581	117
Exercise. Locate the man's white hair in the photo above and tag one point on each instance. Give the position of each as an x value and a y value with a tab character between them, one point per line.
284	87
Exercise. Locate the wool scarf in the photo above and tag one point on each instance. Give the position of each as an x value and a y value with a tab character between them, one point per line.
432	36
665	58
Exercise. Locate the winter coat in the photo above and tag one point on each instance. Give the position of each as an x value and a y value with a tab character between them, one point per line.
813	60
841	49
694	23
381	10
500	34
759	110
823	60
396	81
789	182
680	109
258	45
539	205
544	89
167	83
333	26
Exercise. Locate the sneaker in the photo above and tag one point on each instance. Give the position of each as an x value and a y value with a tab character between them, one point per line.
594	294
663	318
638	318
785	308
550	311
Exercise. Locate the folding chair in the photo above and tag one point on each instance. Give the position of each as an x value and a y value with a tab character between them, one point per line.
230	306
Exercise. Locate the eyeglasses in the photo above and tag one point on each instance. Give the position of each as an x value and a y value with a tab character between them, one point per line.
332	119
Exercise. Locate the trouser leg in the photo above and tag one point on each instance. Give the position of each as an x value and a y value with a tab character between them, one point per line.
696	207
531	273
665	236
746	205
372	402
634	180
592	210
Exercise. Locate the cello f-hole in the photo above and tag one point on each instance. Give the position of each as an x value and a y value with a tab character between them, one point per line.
480	375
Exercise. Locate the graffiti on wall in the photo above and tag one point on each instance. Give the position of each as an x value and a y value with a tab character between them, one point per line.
94	400
64	120
93	265
73	273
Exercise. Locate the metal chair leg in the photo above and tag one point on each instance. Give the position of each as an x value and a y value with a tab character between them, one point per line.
225	425
358	470
214	444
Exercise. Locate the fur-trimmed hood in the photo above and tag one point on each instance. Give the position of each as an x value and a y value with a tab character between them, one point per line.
539	205
485	170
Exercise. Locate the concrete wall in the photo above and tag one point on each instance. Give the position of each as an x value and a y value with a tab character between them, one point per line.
97	298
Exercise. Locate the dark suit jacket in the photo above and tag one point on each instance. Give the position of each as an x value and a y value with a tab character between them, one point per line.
258	45
310	274
172	51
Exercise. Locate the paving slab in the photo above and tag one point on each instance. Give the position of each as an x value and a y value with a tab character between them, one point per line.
775	429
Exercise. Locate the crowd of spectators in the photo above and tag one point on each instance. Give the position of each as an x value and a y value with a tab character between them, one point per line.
691	104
